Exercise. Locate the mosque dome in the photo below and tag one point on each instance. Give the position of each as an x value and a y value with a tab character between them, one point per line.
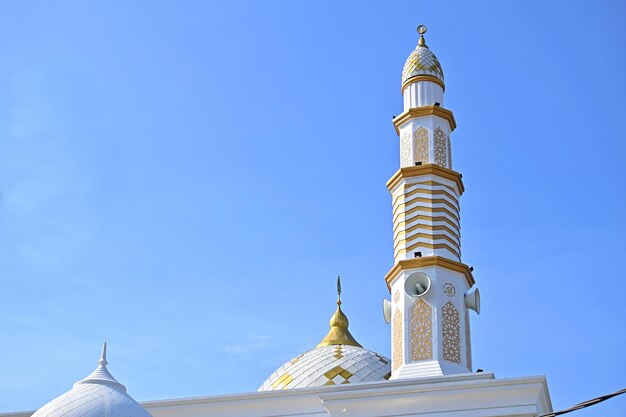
421	61
337	359
98	395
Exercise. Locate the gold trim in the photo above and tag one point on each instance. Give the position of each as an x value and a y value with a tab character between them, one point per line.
433	237
285	379
434	210
440	227
429	183
428	169
429	246
431	219
434	197
418	190
424	111
435	184
431	201
429	261
422	77
404	220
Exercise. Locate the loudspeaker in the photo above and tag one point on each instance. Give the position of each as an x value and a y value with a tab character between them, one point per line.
387	310
472	300
417	284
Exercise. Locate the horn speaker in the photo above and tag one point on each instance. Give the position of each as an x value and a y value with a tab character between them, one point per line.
387	310
472	300
417	284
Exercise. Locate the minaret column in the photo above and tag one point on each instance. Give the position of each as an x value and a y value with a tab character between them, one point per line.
429	284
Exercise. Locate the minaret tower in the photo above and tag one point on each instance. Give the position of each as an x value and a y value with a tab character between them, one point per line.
429	285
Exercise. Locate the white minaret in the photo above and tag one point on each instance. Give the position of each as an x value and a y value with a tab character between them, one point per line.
429	285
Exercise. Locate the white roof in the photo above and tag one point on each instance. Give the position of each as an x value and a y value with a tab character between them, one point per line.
98	395
329	365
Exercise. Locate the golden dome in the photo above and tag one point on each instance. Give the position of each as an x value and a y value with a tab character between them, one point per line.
422	61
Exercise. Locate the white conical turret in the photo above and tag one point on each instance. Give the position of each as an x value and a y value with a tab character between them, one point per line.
101	374
98	395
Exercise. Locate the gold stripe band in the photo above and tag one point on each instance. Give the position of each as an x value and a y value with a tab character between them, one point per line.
426	262
407	186
430	201
430	246
422	77
432	237
429	191
424	111
422	170
432	219
439	228
434	210
433	193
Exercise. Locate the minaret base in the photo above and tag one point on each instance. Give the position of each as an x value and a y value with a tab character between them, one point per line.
427	369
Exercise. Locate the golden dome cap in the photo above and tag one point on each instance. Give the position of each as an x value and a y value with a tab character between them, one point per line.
422	61
339	333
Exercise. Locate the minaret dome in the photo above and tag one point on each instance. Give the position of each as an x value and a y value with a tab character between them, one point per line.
422	76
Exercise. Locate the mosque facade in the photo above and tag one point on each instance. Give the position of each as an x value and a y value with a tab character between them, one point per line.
432	295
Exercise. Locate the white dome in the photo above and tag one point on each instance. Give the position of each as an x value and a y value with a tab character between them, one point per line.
98	395
338	359
329	365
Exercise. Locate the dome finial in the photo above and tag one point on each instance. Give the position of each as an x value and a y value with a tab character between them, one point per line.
338	289
102	375
103	357
421	29
339	333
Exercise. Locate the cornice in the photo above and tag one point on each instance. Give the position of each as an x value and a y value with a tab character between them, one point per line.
424	111
428	169
423	77
426	262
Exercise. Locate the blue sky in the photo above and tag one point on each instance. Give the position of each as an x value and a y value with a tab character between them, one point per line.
186	179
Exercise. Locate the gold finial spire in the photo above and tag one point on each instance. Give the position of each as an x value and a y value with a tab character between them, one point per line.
421	29
338	333
338	289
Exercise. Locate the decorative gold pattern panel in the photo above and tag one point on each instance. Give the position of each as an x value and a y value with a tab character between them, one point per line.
422	62
405	150
396	356
421	331
420	145
451	333
441	145
336	372
468	348
449	152
283	381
